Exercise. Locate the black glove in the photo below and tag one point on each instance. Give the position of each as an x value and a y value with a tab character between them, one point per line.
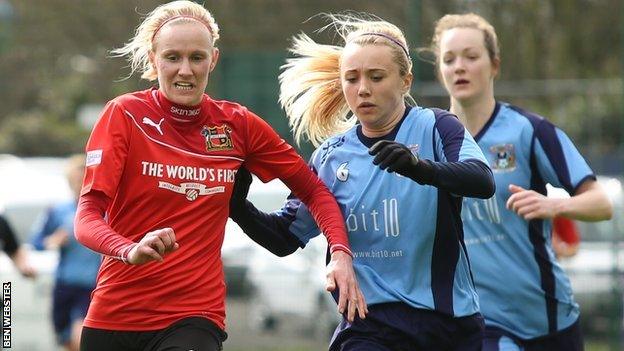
242	182
396	157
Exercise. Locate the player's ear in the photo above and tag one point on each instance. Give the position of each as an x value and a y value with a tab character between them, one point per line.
214	58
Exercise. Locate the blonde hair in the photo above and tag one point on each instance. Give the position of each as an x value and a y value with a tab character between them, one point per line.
468	20
138	48
310	84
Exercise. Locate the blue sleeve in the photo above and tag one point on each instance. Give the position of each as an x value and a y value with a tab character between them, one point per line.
44	226
281	232
558	161
459	166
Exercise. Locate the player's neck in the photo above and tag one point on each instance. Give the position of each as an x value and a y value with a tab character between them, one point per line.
474	114
381	128
178	112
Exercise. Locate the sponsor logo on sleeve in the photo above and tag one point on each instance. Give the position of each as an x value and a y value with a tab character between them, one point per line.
94	157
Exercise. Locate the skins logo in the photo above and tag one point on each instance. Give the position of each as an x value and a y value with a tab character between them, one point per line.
504	158
218	138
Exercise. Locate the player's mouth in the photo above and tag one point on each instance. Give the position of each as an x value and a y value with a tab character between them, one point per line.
462	82
183	86
366	107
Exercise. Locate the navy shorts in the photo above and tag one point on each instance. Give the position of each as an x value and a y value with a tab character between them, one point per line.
398	327
193	333
69	304
568	339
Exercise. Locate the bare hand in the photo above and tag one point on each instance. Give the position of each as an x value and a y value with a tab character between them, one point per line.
340	274
20	259
56	240
153	247
530	204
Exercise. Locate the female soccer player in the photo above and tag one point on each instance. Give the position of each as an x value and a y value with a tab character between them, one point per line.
525	296
398	177
77	267
160	170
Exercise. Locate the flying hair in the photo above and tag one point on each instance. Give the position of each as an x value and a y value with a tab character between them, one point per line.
310	83
137	50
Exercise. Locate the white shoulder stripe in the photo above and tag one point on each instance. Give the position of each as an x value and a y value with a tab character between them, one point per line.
174	147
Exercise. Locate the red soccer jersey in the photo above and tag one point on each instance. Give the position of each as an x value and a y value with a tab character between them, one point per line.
168	166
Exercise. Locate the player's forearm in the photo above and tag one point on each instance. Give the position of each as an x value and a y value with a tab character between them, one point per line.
93	232
323	207
470	178
590	204
269	230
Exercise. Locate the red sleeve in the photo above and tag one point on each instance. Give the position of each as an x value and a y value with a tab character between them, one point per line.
93	232
268	155
107	150
322	205
566	230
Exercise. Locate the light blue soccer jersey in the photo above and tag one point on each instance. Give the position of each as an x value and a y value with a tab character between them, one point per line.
77	265
522	288
406	238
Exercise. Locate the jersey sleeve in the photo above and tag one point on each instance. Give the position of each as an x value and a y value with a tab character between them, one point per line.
558	160
8	240
107	150
459	166
44	226
268	155
293	220
295	217
453	142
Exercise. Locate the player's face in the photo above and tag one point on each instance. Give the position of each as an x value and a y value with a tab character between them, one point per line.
465	66
372	85
183	57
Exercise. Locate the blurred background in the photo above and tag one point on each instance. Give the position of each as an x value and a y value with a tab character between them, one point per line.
562	59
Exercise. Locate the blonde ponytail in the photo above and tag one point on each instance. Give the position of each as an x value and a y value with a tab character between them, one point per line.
310	84
310	91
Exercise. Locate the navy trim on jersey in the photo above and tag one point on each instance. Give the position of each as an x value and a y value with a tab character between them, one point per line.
489	122
448	131
445	252
546	133
583	180
536	236
390	136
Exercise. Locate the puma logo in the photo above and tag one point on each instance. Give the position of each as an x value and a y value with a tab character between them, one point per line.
149	122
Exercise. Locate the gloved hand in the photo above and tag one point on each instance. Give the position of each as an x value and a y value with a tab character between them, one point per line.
242	182
396	157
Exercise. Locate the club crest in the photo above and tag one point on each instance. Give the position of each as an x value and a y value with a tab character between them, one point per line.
504	158
218	138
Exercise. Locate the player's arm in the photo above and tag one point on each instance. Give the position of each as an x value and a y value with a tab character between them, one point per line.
561	164
92	231
462	171
269	230
17	253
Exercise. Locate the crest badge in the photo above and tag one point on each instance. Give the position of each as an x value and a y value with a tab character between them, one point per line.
504	158
218	138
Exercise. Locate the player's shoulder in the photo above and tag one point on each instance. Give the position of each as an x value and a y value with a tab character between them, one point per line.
332	144
132	98
523	118
432	116
227	108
